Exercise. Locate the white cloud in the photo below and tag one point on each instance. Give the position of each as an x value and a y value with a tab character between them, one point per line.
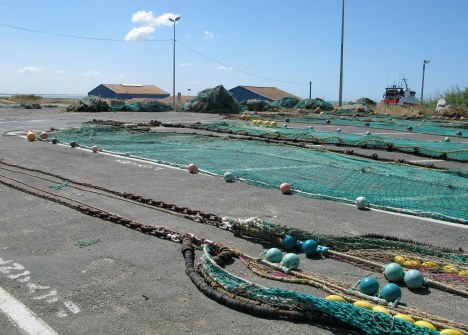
92	73
59	72
147	18
139	33
208	35
163	20
186	65
30	69
142	16
223	67
148	21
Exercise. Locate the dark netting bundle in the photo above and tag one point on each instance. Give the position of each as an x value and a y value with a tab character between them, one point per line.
88	104
144	106
313	104
286	102
257	105
213	100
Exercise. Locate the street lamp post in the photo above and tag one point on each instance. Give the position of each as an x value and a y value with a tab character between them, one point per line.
341	58
173	20
422	86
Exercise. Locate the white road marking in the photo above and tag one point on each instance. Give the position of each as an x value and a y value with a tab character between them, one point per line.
22	317
25	273
7	269
72	307
138	165
33	287
453	224
51	294
61	313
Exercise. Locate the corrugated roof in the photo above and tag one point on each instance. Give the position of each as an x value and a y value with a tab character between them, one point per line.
272	93
135	89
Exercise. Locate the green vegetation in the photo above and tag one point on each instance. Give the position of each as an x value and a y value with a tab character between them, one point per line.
457	97
32	98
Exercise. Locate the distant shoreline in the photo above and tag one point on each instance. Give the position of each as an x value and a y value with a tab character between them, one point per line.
52	96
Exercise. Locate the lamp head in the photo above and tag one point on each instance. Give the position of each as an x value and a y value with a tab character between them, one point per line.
427	61
174	19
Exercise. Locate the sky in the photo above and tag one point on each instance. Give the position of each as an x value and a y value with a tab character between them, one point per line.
71	47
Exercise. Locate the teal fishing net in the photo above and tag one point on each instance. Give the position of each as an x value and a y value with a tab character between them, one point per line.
443	128
269	231
318	174
452	150
368	321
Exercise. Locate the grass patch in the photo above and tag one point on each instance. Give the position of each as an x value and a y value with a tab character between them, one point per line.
32	98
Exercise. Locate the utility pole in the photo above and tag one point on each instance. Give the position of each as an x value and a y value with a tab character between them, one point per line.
173	64
341	59
310	89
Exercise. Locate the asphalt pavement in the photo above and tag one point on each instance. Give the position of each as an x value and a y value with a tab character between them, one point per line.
126	282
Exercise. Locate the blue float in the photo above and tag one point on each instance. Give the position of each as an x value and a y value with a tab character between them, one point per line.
322	249
414	279
390	292
274	255
289	242
73	144
369	285
394	272
229	177
54	140
290	261
309	247
361	202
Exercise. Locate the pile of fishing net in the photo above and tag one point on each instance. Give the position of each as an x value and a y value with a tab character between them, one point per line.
213	100
313	104
257	105
88	104
286	102
143	106
365	101
354	109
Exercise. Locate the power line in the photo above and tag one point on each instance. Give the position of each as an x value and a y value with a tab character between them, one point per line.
75	36
153	40
239	70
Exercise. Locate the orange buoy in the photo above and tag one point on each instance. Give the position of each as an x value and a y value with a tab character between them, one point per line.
43	135
31	136
94	149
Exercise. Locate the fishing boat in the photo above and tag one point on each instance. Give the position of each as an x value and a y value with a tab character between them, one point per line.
397	95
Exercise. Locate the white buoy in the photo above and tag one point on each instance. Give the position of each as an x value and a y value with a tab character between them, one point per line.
361	202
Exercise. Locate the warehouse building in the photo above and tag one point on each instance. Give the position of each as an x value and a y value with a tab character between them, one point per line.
127	91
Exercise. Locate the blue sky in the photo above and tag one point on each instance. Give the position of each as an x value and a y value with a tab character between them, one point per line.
234	43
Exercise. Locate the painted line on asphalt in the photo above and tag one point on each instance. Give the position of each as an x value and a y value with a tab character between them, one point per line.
447	223
121	156
22	317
